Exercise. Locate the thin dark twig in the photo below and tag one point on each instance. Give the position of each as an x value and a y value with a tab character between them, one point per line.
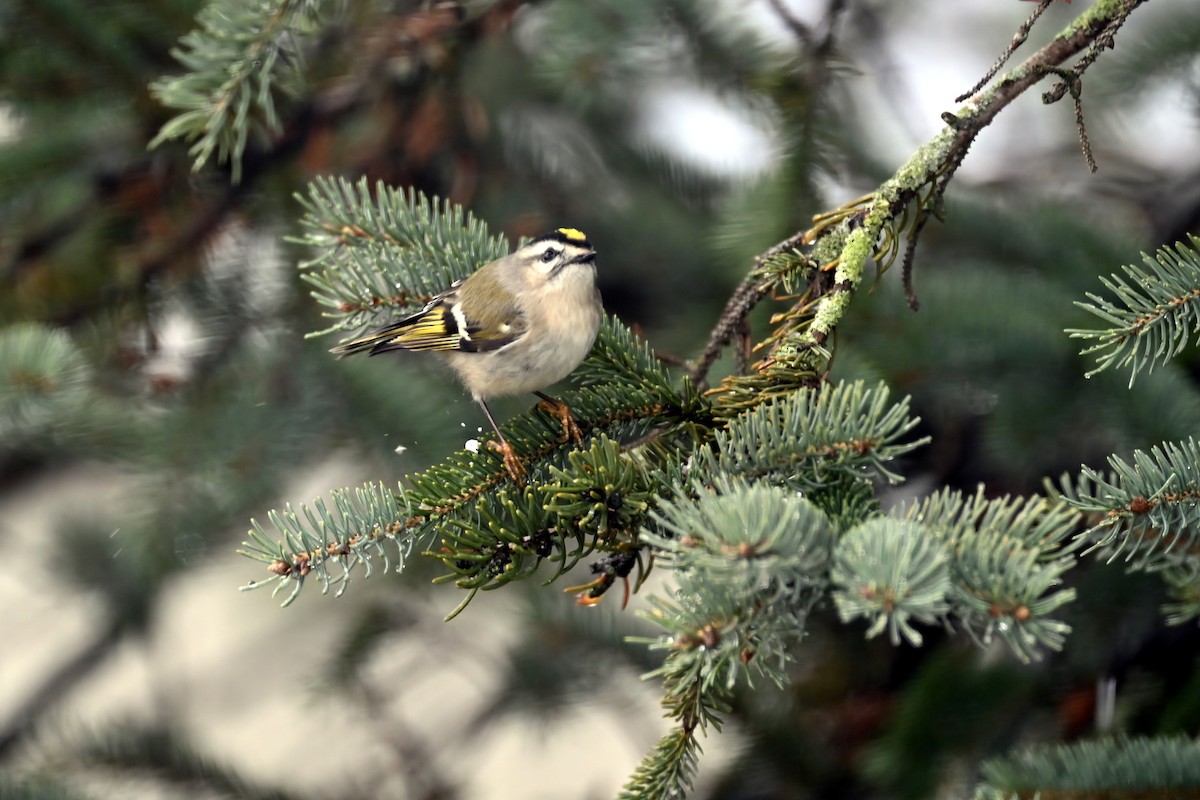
756	286
671	360
1071	80
926	210
1104	40
798	28
1084	143
741	353
1018	39
747	295
1094	36
906	265
835	9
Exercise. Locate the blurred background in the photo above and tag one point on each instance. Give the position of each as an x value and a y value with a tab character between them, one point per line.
175	396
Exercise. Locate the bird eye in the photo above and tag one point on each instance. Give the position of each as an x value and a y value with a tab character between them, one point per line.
549	255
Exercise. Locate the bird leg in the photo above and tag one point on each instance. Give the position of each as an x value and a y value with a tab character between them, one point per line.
560	409
512	463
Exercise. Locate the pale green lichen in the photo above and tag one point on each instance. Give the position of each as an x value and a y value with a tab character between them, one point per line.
919	171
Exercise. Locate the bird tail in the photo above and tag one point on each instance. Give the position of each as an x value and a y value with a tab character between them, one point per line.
421	331
372	342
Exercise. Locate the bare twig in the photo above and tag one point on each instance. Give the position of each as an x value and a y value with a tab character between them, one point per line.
906	271
747	295
756	286
1104	40
798	28
1018	39
1072	83
926	175
1084	143
741	353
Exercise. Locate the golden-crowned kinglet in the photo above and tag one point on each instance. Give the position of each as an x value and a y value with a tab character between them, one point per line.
517	324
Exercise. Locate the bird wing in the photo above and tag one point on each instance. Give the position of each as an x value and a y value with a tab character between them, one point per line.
440	325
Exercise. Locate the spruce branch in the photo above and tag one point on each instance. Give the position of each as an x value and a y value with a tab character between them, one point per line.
1116	768
43	378
332	543
622	412
619	356
1147	509
596	502
489	535
1183	585
1007	556
1155	311
818	436
603	490
996	565
889	572
668	771
240	57
1008	590
505	539
1035	522
749	561
383	251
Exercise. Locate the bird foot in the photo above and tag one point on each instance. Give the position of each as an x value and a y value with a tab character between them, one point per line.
512	463
563	412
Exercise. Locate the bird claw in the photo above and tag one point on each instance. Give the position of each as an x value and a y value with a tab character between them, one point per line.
560	409
512	463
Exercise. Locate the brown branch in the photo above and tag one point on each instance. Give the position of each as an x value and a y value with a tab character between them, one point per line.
748	294
1094	31
1072	80
1018	39
1096	34
733	319
798	28
906	271
931	167
1084	143
1036	67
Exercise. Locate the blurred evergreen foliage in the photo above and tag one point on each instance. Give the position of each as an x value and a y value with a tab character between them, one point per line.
153	323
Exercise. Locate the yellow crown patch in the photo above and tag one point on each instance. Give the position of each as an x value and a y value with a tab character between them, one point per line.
573	233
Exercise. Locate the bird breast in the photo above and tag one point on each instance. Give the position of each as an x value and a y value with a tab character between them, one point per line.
562	326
